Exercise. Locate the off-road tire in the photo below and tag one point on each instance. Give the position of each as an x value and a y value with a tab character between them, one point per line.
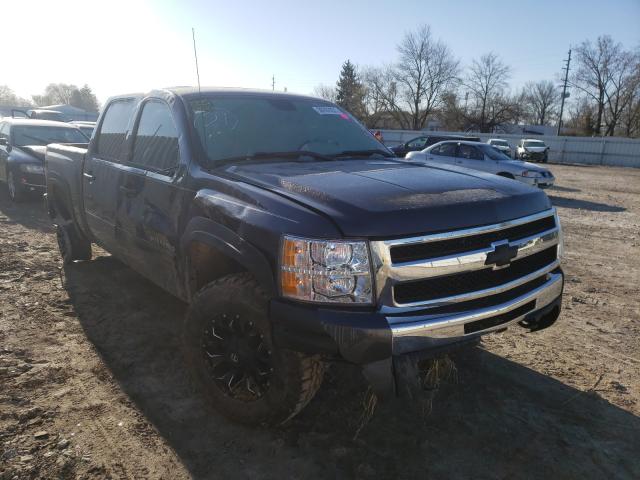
16	192
72	245
296	377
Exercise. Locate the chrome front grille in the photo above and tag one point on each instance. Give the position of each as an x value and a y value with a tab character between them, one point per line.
444	269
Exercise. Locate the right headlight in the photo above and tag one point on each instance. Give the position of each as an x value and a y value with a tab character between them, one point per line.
324	271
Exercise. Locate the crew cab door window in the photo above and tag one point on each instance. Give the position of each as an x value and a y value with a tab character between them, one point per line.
111	137
156	141
469	152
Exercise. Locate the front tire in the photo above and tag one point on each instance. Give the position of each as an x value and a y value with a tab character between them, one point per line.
72	245
16	191
230	351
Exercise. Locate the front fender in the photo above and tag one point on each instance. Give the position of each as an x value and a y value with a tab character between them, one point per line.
230	244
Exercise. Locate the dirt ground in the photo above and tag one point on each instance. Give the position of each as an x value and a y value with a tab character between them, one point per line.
92	383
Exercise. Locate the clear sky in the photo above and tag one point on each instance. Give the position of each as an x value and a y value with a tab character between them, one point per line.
118	46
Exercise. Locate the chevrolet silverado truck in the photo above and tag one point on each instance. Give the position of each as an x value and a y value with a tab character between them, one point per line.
298	239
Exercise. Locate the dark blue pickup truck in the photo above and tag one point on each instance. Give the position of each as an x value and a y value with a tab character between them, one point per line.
298	239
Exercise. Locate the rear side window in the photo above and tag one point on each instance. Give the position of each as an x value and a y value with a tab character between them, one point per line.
156	142
4	130
114	128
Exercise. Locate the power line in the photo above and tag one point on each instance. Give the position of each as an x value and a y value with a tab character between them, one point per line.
564	91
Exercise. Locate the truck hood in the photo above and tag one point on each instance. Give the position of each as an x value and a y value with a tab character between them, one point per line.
535	149
386	198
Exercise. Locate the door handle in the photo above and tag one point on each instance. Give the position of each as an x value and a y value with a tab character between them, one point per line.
88	176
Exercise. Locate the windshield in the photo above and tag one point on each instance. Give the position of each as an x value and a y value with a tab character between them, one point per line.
240	126
24	135
534	143
499	143
493	153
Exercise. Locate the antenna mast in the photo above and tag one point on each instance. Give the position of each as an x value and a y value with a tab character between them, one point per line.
195	53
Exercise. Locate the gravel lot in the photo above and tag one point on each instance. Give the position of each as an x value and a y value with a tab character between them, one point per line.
93	384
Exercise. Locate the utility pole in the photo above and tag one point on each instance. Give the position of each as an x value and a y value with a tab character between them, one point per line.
564	91
273	82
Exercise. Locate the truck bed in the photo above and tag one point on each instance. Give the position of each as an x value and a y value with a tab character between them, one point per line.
63	167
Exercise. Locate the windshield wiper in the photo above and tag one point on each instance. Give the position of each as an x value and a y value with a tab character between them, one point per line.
364	153
296	154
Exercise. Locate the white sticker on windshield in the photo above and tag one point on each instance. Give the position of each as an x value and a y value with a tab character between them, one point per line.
328	110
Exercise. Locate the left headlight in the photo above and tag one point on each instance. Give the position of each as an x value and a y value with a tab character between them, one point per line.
325	270
32	168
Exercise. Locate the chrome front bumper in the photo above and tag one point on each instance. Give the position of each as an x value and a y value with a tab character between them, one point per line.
418	332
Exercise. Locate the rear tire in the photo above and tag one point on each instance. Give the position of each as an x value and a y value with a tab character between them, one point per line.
73	246
16	191
229	349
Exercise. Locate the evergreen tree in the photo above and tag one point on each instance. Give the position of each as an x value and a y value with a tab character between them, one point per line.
350	91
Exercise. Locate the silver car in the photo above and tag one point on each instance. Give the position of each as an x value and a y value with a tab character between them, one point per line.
483	157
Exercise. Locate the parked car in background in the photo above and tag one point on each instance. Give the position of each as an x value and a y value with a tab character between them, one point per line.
40	114
419	143
298	239
532	149
501	145
86	127
22	148
483	157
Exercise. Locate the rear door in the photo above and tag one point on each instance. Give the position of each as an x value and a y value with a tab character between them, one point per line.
150	196
101	173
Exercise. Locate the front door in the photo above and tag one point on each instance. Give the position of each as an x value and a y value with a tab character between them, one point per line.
101	175
470	157
150	198
443	153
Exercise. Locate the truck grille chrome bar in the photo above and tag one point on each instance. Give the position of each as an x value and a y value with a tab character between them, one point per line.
478	262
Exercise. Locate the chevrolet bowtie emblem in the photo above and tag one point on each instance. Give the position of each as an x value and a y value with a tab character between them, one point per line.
502	255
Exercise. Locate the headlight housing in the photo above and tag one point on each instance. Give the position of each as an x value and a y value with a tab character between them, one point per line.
32	168
531	174
334	271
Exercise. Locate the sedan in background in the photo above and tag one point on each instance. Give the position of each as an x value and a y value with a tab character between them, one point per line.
420	143
483	157
532	149
22	147
501	145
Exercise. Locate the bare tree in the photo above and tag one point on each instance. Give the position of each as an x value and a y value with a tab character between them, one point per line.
66	94
425	70
382	98
486	81
9	98
624	81
325	91
541	101
592	76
